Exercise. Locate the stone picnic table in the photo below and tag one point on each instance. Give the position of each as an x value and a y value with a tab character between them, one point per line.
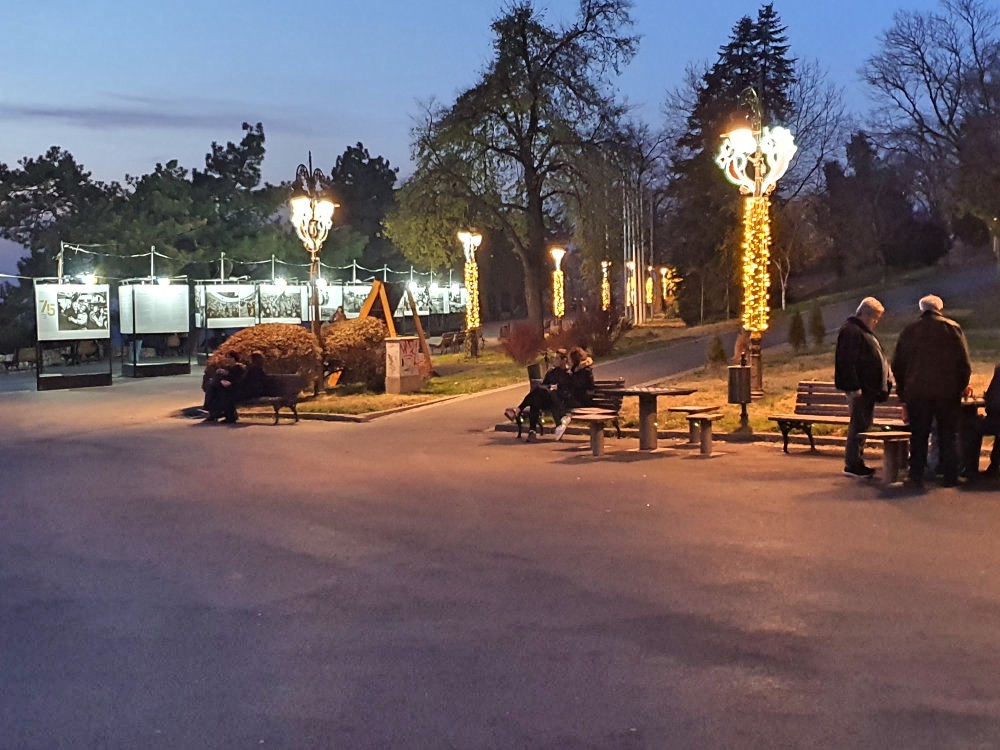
648	395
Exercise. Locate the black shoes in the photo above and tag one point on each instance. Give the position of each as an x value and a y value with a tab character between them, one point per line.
860	472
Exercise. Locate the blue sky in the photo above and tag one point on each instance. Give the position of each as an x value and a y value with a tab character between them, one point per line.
123	85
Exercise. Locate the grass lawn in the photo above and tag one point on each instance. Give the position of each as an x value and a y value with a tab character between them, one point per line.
457	374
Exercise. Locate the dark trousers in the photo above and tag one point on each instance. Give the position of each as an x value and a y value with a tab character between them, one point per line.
862	410
972	442
946	414
539	400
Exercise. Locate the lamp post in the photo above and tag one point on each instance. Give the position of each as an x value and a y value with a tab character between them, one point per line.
605	285
630	296
470	241
558	285
312	217
754	159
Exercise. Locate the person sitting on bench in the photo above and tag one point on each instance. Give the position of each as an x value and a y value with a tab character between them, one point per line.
551	395
231	385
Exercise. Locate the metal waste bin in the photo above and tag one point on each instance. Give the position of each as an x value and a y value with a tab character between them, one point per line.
739	384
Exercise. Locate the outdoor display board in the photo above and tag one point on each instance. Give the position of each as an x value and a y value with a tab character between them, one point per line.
65	312
230	305
280	304
153	308
433	300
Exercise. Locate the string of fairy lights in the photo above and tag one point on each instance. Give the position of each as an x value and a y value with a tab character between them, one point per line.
756	262
356	272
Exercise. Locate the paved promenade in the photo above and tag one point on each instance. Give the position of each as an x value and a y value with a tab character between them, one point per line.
422	581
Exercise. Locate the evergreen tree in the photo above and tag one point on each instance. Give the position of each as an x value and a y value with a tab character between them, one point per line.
797	332
705	210
817	329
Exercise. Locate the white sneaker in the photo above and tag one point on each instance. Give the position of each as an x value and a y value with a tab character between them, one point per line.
561	428
532	436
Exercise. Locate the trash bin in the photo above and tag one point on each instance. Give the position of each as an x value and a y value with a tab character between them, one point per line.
739	384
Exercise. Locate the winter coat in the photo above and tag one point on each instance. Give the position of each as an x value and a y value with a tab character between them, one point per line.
859	364
931	359
581	387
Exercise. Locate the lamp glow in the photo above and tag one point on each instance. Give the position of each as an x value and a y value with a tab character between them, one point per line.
312	216
558	284
470	241
605	285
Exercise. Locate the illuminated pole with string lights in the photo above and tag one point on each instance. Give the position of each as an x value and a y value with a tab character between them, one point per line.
558	285
605	285
312	217
754	159
470	241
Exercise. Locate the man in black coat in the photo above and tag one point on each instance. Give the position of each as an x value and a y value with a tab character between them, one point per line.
861	371
932	369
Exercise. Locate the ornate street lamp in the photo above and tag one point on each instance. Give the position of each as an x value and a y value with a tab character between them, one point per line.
312	217
470	241
605	285
630	299
754	159
558	285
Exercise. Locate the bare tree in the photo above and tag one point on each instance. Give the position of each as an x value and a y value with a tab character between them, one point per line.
934	71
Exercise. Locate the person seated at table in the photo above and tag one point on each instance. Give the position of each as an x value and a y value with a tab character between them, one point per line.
551	395
988	425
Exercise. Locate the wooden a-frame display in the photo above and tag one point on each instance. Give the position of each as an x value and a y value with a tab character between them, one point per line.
377	294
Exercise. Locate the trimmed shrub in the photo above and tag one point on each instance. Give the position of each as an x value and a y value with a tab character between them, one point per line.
287	348
356	348
597	331
716	354
797	332
524	345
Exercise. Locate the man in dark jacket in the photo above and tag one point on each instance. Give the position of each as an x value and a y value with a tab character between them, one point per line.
932	369
860	370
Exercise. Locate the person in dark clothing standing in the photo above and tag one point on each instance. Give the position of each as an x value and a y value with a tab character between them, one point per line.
861	371
988	425
932	368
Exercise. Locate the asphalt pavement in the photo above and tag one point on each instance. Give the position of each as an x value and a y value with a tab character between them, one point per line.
425	581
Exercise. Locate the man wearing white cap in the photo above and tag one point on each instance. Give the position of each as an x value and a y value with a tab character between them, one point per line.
932	369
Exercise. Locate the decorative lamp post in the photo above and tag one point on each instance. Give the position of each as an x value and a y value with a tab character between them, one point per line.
754	159
650	286
630	300
605	285
558	285
470	241
312	217
669	281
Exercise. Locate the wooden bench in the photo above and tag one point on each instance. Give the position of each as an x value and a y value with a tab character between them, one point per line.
280	390
443	343
819	402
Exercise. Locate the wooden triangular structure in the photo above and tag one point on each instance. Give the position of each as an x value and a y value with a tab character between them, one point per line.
378	296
